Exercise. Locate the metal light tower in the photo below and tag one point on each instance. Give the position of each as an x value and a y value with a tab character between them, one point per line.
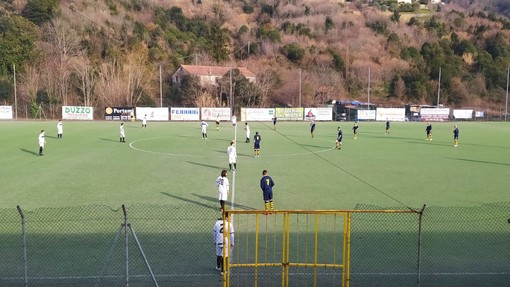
439	87
506	102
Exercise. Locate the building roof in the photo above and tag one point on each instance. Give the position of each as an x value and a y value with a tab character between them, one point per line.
215	71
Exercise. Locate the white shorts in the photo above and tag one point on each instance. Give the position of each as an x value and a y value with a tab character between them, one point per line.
222	195
231	159
219	250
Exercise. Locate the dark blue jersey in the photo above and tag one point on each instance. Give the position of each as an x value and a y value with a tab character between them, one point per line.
340	136
429	128
355	128
274	120
388	125
256	141
312	127
456	133
266	183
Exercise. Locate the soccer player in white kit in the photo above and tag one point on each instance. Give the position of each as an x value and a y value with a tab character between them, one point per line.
122	133
232	155
204	129
223	187
219	229
60	129
144	121
247	129
41	141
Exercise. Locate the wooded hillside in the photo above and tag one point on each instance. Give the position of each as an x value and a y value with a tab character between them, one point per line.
109	52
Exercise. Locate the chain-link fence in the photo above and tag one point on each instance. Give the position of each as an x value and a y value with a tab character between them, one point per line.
161	245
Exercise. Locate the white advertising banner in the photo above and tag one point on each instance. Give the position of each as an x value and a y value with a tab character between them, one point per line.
435	114
391	114
253	114
212	114
366	114
463	114
289	114
184	114
479	114
77	113
153	114
319	114
5	112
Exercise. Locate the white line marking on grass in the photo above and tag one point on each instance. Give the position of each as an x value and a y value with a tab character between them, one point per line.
131	145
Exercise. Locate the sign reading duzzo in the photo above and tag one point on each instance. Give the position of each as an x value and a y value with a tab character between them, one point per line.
77	113
5	112
184	114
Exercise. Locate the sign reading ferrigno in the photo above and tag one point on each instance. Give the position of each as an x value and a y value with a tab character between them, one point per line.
77	113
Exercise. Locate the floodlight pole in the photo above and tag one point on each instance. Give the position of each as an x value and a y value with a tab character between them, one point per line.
439	87
160	88
368	89
506	102
15	96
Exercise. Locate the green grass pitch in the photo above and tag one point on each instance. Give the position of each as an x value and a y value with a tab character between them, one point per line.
169	163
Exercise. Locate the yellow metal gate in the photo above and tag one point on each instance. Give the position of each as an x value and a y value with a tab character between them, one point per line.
288	248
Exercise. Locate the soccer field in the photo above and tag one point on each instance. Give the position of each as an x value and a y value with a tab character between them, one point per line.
169	163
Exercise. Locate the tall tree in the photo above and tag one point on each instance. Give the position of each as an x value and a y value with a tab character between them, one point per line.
17	45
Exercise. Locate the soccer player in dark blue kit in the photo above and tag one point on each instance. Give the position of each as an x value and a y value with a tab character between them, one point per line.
455	136
339	138
256	144
428	129
266	184
274	122
387	127
355	130
312	128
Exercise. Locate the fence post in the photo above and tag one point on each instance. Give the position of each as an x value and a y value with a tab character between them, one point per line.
126	243
24	245
418	267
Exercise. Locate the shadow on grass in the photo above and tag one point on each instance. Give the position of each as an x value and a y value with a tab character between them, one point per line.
108	140
208	139
478	161
51	137
429	143
206	165
214	199
190	201
29	151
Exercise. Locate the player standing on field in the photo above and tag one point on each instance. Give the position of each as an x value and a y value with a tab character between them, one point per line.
60	129
204	126
355	130
232	155
122	133
218	122
144	121
256	144
428	129
387	127
223	188
455	136
41	141
266	184
247	129
219	229
274	122
339	138
312	128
